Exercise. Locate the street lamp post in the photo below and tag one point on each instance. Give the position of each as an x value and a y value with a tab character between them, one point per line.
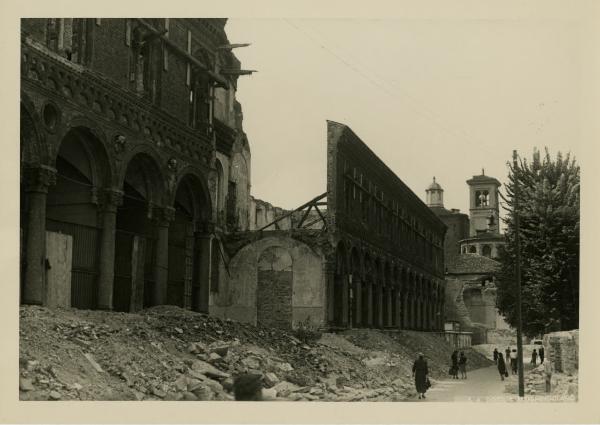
518	278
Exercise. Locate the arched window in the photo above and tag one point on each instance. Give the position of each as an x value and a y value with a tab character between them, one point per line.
487	251
472	249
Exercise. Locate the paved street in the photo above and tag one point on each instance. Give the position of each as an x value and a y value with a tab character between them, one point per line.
481	385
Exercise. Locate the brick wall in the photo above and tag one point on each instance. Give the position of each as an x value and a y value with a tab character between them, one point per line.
110	53
562	349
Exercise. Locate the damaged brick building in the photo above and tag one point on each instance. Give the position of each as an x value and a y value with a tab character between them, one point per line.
133	161
367	253
135	192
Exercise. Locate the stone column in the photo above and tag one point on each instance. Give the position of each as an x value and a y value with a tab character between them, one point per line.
37	182
379	301
370	303
202	295
330	279
398	301
357	300
345	300
111	200
163	217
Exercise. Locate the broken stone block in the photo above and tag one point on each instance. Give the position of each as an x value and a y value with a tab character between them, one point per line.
95	365
181	383
213	357
284	388
251	362
269	394
228	384
286	367
271	379
208	369
188	396
26	384
159	393
54	395
203	393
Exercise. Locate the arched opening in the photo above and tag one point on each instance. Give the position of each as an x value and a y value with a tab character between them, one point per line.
367	293
486	251
274	288
356	299
71	209
377	294
181	246
136	235
386	296
472	249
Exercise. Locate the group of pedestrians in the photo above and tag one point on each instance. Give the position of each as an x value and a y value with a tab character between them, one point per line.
459	364
511	356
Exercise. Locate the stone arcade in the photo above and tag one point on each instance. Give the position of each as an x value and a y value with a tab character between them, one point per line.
133	154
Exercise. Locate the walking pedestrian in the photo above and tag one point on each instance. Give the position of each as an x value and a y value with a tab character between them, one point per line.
507	354
541	354
513	361
534	356
420	372
462	365
454	368
496	355
502	367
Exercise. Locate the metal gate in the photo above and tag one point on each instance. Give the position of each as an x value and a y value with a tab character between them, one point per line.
85	265
181	245
127	294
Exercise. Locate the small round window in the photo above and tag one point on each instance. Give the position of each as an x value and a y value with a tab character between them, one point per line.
51	116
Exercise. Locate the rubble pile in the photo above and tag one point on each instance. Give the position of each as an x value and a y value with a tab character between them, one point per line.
167	353
562	384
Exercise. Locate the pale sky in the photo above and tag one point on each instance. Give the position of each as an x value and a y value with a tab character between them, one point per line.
438	97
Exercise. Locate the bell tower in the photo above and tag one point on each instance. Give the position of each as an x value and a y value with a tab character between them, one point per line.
484	207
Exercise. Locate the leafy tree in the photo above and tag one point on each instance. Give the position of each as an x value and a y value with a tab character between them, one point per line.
548	210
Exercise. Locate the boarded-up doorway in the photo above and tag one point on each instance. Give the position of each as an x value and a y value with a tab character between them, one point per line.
274	288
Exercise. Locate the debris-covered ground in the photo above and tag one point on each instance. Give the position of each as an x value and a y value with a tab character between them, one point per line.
167	353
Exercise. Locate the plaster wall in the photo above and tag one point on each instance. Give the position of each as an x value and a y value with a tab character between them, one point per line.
308	282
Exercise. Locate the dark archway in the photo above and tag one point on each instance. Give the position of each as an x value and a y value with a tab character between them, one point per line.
191	212
377	294
83	170
136	234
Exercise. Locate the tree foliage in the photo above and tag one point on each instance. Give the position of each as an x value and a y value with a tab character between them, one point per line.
548	208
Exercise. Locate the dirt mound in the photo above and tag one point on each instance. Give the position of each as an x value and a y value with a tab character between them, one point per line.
167	353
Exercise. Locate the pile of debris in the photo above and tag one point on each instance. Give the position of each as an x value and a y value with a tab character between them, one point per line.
167	353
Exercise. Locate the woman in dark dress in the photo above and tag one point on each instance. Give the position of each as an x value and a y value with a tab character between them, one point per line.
420	372
501	366
462	365
454	359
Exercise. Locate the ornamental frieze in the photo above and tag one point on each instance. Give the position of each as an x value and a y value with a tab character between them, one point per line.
58	78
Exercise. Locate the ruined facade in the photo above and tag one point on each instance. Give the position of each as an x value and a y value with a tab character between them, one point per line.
367	253
133	156
135	191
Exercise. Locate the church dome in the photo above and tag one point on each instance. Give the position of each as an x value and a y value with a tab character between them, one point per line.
434	186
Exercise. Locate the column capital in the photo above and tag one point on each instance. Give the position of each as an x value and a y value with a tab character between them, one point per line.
39	178
164	215
111	199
